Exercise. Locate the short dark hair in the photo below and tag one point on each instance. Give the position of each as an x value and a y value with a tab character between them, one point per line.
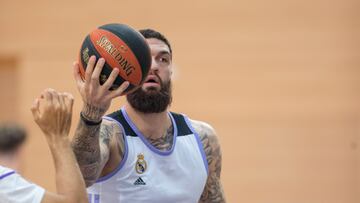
150	33
11	137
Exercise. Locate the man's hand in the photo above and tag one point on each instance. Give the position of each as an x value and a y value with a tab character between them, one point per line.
97	98
54	115
52	111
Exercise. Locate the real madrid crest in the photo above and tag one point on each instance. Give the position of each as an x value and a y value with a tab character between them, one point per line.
140	165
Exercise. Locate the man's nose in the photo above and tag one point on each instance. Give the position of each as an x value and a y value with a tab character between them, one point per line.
154	65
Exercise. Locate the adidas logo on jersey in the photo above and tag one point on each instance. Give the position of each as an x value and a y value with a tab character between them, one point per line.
139	181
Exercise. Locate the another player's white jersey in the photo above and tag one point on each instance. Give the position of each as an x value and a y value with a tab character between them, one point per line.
149	175
15	189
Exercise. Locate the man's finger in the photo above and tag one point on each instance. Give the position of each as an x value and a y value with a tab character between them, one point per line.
111	78
69	101
96	74
62	101
120	90
46	94
35	109
55	97
76	70
89	70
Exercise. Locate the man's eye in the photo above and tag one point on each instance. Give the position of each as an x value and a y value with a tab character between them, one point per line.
164	60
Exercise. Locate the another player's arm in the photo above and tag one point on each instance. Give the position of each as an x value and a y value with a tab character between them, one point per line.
213	191
54	119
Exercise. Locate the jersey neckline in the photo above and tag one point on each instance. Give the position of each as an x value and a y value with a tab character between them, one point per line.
143	138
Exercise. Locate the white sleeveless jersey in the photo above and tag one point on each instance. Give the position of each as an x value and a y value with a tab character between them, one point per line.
149	175
15	189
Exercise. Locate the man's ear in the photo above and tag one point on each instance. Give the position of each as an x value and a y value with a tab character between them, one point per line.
171	70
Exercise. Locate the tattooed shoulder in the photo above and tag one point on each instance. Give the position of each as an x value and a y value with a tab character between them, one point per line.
111	133
213	191
208	138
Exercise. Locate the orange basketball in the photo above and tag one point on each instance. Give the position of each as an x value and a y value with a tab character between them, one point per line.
122	47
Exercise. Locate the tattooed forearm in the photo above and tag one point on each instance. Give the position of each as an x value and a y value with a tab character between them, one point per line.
92	113
213	191
91	148
86	148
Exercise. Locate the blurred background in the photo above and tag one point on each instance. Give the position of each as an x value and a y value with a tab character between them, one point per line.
279	80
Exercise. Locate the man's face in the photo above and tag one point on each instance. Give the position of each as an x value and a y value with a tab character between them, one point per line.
161	65
154	96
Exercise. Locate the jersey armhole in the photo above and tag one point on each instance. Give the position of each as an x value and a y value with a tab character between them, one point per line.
41	194
122	162
200	145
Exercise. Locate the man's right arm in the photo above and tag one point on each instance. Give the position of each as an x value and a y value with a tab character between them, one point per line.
92	141
91	146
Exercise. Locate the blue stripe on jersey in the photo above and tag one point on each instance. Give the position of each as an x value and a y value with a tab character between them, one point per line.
96	198
201	147
6	174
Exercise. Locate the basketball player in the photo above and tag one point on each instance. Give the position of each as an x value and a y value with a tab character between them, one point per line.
12	139
143	152
54	119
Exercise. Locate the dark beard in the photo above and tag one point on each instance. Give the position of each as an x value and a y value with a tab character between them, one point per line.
151	101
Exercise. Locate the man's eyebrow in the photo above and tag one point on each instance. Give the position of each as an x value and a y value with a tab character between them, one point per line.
164	52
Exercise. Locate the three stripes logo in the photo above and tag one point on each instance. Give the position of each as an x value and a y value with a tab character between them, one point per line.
139	181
